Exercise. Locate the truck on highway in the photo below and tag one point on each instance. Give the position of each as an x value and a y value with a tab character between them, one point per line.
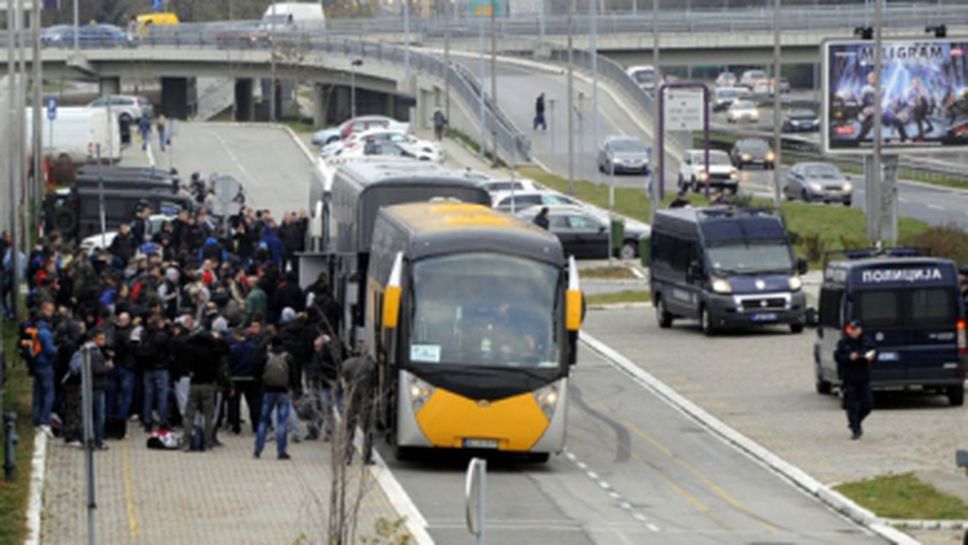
727	267
472	318
359	190
293	16
910	306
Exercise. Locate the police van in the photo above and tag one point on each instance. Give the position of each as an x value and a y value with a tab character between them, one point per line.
910	306
727	267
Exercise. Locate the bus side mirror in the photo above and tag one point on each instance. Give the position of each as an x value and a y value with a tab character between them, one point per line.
392	295
574	310
801	266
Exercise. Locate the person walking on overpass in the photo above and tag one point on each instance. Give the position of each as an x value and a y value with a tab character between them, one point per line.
855	354
539	113
440	122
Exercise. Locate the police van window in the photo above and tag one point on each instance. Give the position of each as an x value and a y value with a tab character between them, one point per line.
932	306
878	308
830	307
682	254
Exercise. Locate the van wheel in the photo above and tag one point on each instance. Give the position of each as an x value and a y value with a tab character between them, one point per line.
662	314
65	221
628	251
796	329
956	395
706	323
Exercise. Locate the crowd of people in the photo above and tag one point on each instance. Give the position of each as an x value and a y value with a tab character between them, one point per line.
179	327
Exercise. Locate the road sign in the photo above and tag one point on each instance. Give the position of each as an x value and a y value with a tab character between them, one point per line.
685	109
474	495
227	190
51	108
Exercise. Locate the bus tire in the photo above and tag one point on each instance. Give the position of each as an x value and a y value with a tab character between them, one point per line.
956	395
538	457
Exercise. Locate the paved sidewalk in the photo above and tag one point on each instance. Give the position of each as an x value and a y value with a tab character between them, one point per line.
224	496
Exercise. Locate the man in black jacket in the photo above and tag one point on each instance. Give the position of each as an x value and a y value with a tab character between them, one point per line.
855	354
154	358
203	359
100	368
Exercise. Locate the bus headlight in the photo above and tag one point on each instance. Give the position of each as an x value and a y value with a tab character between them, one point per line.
795	283
547	398
420	392
721	285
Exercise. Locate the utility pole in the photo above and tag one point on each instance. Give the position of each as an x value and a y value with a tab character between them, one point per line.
272	66
12	114
777	144
447	23
77	29
656	114
38	136
406	33
874	182
494	161
483	137
593	51
22	129
570	104
655	43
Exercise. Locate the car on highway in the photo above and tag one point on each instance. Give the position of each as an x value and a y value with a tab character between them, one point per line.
800	120
721	174
750	78
818	182
422	149
357	124
128	108
293	16
727	267
784	85
583	231
742	110
643	76
723	97
624	155
92	35
910	307
752	151
726	79
527	199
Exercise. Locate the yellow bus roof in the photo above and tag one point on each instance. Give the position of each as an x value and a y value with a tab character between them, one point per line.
449	215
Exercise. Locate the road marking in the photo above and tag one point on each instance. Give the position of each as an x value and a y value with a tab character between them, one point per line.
935	207
235	158
129	504
150	154
612	493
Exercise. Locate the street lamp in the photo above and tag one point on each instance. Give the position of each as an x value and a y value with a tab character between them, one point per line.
353	66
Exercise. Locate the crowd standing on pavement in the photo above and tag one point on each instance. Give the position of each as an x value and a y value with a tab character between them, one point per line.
179	327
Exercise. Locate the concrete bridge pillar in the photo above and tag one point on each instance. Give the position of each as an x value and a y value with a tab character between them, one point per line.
320	104
244	100
109	86
341	96
175	98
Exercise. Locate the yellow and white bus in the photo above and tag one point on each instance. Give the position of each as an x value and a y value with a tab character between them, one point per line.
472	316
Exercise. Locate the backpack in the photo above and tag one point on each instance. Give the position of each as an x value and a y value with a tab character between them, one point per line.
276	373
29	345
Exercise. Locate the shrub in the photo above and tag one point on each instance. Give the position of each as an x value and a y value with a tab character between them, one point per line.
948	241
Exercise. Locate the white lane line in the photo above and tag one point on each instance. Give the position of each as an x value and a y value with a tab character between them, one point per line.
150	154
35	502
612	493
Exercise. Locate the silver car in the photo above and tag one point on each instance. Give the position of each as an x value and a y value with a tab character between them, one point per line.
818	182
624	154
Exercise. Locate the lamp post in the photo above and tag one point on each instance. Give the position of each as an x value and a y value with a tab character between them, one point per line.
353	66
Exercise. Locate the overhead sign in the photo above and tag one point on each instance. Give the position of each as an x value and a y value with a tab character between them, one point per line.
51	108
684	109
924	95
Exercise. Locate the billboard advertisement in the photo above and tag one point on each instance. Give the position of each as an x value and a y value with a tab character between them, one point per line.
924	95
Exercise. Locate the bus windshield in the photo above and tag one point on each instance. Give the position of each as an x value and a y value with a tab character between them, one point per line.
760	258
484	309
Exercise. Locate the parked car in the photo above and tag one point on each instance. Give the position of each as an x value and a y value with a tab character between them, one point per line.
523	200
504	186
752	151
726	79
751	77
742	110
93	35
643	76
822	182
723	97
784	85
624	154
422	149
801	120
128	108
721	173
583	232
357	124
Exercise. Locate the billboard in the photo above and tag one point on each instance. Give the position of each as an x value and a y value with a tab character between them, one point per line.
924	95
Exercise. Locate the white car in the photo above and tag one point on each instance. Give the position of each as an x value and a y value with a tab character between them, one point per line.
128	108
643	76
751	77
93	243
527	199
721	174
504	186
742	110
329	135
421	149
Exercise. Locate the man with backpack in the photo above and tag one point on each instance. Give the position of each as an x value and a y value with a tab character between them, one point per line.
38	348
278	379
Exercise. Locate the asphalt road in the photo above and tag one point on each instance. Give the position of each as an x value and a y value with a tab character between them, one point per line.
636	471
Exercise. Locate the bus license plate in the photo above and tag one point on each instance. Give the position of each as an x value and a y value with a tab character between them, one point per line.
480	443
764	317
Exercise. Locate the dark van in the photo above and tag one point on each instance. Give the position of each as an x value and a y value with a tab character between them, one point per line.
75	212
727	267
911	307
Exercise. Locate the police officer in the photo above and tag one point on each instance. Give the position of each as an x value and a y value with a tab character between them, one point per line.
855	355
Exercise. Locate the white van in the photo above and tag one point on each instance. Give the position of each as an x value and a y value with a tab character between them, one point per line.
293	15
77	133
644	76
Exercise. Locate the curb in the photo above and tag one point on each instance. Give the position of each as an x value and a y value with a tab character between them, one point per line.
35	502
793	474
621	306
415	522
927	524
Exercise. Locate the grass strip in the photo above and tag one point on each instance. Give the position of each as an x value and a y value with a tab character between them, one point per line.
618	297
610	273
904	496
17	397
